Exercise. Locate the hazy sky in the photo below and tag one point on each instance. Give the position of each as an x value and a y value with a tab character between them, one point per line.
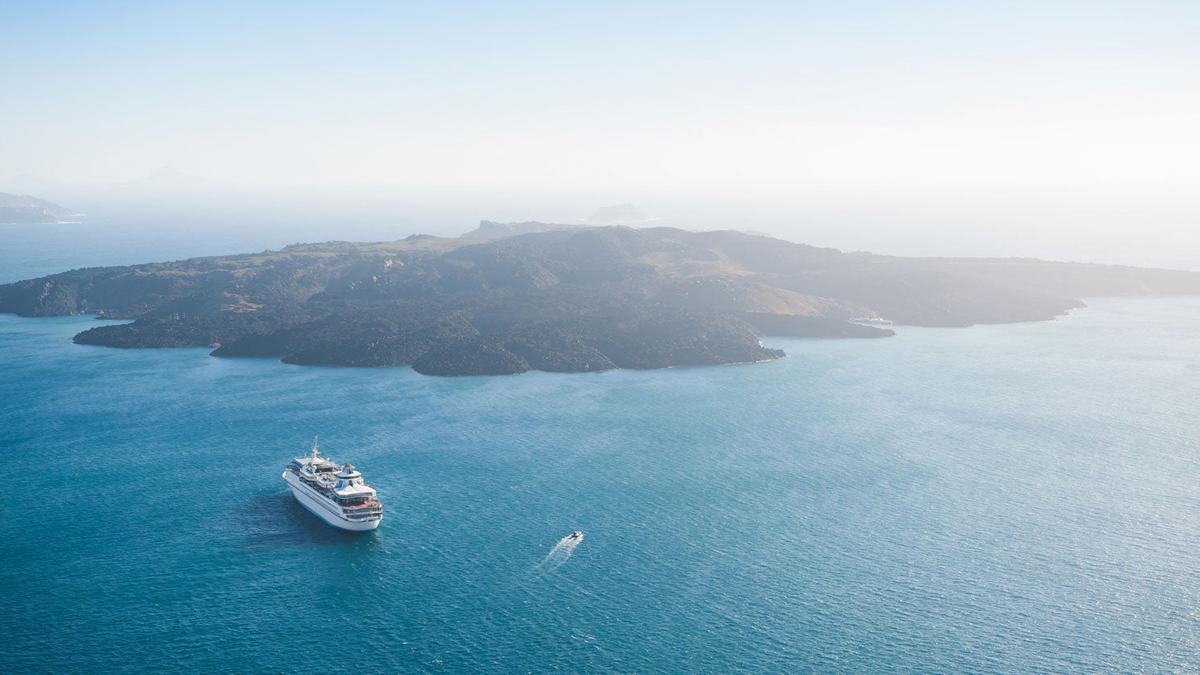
1077	115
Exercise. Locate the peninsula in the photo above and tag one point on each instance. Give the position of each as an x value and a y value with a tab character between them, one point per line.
563	299
26	210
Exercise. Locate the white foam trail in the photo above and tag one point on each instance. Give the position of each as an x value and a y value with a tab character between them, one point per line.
560	552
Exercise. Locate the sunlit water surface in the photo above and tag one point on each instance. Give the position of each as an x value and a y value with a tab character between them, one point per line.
1018	498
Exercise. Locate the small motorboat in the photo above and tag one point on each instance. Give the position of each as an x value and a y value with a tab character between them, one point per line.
576	535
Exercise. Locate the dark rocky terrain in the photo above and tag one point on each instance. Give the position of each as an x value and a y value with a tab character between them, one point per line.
579	299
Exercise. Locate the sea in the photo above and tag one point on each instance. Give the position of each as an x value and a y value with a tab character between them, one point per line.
1016	498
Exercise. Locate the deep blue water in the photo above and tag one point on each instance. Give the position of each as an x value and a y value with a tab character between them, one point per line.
1017	498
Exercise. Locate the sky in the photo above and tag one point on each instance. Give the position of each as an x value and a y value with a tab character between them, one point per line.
1061	129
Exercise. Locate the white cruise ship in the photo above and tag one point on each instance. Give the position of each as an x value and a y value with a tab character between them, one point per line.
336	494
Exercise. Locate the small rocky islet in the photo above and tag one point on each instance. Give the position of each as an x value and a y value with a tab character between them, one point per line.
556	298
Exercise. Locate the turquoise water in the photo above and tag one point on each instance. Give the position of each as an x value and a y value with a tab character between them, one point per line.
1018	498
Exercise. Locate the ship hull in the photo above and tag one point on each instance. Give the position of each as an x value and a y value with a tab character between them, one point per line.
325	512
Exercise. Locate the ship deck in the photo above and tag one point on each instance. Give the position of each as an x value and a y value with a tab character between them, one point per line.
325	488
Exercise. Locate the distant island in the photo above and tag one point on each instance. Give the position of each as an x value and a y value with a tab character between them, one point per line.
562	299
490	229
23	209
620	214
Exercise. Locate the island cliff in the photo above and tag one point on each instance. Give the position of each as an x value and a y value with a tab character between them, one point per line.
580	299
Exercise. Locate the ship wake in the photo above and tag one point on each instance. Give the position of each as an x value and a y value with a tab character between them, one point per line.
560	552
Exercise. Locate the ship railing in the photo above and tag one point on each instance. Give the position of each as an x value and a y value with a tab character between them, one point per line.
364	517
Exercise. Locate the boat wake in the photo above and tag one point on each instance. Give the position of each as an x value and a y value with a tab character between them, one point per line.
561	551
